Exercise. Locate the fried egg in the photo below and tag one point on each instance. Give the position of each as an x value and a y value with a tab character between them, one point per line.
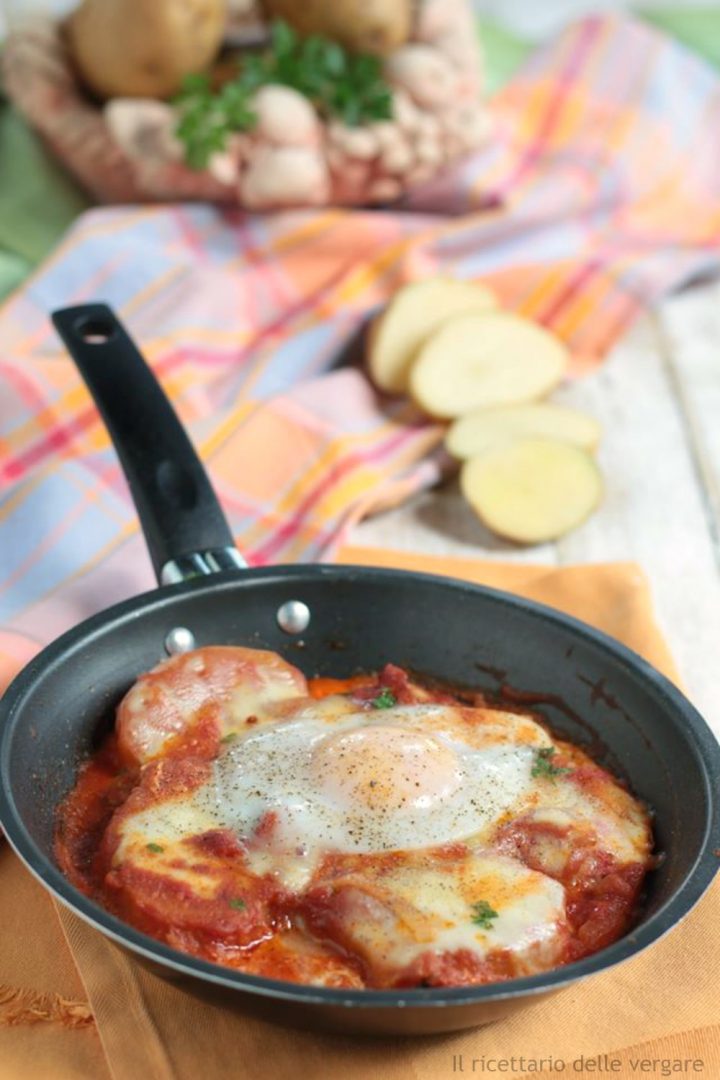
417	843
332	780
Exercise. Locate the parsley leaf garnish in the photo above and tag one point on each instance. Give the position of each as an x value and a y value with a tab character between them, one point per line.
483	914
230	737
543	764
385	700
339	84
206	118
237	903
156	848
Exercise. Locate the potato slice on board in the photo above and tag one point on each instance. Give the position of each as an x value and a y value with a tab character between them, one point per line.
532	490
475	361
477	431
415	311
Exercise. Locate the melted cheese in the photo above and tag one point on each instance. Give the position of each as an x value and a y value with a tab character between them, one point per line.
403	778
615	821
163	824
299	780
228	684
394	917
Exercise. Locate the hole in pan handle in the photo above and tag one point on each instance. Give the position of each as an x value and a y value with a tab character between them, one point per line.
185	529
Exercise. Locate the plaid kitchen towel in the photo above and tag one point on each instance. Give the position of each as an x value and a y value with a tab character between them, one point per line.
599	190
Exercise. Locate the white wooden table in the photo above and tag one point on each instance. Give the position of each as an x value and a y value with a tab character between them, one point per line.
658	398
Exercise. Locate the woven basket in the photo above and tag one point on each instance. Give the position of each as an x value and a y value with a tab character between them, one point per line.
126	151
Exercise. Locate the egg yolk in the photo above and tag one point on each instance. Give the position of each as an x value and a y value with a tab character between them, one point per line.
384	767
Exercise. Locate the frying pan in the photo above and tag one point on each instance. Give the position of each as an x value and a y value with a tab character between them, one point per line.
335	621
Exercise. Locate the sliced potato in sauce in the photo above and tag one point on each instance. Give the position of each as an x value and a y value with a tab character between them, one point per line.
168	701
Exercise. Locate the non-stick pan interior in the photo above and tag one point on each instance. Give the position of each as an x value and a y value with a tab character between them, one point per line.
601	697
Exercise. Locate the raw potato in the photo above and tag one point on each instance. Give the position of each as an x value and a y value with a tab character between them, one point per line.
370	26
532	490
479	360
476	432
415	312
143	48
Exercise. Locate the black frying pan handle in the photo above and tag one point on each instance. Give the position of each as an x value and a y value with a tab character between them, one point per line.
185	529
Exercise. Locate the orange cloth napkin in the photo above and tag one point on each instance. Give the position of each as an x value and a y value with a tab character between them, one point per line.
72	1005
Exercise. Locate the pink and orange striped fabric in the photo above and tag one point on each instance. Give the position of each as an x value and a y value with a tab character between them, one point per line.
599	192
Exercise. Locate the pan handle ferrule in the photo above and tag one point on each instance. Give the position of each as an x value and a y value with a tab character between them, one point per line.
200	564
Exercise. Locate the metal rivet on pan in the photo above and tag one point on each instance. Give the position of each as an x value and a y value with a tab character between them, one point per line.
293	617
179	640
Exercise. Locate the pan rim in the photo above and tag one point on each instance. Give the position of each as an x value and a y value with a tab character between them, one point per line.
677	906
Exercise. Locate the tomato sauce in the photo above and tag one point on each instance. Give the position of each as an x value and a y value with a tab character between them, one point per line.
103	785
602	895
250	922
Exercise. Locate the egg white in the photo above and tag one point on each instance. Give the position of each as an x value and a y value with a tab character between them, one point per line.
273	768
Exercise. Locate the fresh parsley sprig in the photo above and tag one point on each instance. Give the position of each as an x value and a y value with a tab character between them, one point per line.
340	84
206	118
543	765
483	914
385	700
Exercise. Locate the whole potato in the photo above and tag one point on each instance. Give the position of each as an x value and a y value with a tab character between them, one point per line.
143	48
370	26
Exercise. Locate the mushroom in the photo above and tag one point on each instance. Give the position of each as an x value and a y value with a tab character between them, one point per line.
144	127
360	142
398	157
285	117
284	176
405	111
425	73
385	190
